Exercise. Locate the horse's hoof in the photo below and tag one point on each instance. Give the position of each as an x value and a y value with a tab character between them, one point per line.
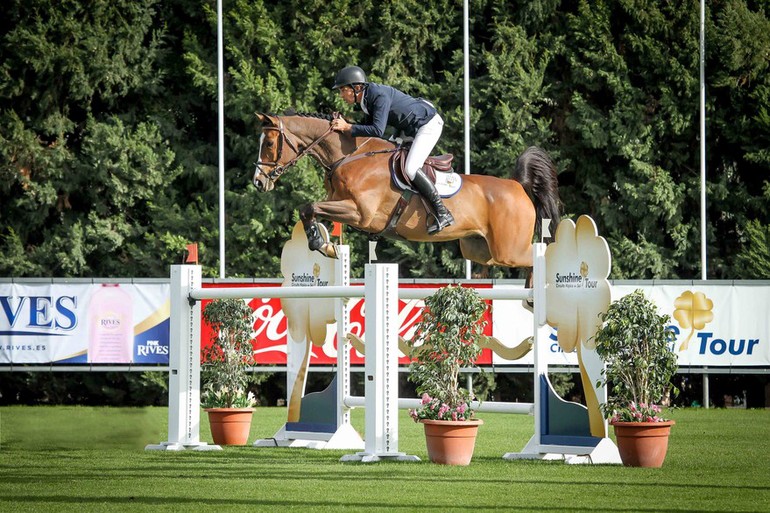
329	250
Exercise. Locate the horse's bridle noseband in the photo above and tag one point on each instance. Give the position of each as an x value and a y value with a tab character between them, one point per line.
279	169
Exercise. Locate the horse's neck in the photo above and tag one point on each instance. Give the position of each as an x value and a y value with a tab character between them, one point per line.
335	146
338	146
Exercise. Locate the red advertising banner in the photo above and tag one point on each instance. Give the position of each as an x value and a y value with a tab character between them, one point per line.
271	328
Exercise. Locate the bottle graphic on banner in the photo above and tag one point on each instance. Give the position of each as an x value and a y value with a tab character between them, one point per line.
111	330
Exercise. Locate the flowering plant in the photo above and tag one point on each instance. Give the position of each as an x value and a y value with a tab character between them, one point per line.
635	343
226	361
433	409
642	412
446	340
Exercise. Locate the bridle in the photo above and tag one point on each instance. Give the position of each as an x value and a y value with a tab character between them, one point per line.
279	169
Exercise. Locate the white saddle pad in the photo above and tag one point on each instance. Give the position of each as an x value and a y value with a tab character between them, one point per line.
447	184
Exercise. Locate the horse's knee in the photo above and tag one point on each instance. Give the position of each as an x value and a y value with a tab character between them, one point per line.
307	212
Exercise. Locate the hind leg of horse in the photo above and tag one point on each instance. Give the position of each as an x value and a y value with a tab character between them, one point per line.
476	250
512	254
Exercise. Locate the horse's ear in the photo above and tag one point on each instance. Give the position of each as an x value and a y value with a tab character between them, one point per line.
266	119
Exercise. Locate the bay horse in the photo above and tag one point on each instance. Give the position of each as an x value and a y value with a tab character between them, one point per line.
495	218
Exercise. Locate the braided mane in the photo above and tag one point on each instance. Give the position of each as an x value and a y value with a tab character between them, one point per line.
316	115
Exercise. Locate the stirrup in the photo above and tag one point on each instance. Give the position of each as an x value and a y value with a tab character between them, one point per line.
440	224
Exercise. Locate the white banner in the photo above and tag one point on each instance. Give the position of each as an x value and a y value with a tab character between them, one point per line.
84	323
715	325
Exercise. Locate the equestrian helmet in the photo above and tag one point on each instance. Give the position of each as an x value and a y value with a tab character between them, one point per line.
349	75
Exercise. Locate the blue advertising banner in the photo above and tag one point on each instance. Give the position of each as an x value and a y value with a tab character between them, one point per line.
106	323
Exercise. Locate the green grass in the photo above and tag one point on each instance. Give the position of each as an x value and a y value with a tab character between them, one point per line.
56	459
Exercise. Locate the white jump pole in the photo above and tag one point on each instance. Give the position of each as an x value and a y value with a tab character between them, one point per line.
184	364
381	367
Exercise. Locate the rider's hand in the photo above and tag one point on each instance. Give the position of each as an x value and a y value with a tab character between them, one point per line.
340	125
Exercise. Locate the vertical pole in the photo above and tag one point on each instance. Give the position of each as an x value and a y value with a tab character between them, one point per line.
466	104
703	271
381	422
381	368
221	122
343	348
540	331
703	257
184	362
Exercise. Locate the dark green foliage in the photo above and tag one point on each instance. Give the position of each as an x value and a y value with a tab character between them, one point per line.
635	344
225	378
84	388
446	340
108	147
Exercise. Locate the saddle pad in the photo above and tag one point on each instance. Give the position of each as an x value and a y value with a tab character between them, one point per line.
447	184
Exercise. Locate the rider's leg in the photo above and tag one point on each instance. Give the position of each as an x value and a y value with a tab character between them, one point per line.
428	191
424	142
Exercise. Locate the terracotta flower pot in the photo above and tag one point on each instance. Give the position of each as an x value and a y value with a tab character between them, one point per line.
451	442
642	444
230	426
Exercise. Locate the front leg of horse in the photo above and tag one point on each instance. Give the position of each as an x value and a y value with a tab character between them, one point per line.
342	211
313	232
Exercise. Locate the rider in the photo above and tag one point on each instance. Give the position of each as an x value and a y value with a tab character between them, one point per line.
414	117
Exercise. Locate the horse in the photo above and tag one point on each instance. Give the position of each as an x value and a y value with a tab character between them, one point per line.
495	218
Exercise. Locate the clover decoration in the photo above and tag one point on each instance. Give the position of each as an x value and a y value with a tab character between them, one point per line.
693	312
306	318
578	265
577	291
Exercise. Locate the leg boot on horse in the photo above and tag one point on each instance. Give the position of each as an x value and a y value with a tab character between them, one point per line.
428	191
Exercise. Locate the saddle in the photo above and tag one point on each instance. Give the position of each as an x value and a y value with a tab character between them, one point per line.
451	182
431	165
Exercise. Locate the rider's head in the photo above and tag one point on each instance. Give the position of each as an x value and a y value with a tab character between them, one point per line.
350	81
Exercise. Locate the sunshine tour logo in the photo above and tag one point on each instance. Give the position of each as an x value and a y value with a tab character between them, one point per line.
308	280
576	281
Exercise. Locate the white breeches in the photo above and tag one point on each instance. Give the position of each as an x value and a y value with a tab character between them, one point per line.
424	141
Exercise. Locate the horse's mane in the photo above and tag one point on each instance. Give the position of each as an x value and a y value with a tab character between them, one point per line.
317	115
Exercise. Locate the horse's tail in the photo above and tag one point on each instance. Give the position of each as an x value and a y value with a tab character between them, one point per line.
536	172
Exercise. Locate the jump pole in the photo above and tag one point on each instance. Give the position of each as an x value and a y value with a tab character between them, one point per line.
184	364
381	368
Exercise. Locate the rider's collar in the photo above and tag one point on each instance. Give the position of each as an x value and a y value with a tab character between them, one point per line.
362	103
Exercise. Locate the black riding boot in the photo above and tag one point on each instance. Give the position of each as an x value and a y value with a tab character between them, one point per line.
428	191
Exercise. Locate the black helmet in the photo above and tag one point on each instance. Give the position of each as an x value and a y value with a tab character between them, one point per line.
349	75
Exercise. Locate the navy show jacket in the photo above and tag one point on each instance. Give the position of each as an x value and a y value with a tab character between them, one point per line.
386	106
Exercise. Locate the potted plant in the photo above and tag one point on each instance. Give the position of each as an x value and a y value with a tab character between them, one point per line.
635	344
447	339
225	395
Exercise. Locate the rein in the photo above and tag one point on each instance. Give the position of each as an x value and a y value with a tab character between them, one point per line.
278	169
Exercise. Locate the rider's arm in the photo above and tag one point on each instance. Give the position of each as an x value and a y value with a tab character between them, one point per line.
378	116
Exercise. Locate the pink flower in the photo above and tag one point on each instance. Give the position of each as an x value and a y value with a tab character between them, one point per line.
425	398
